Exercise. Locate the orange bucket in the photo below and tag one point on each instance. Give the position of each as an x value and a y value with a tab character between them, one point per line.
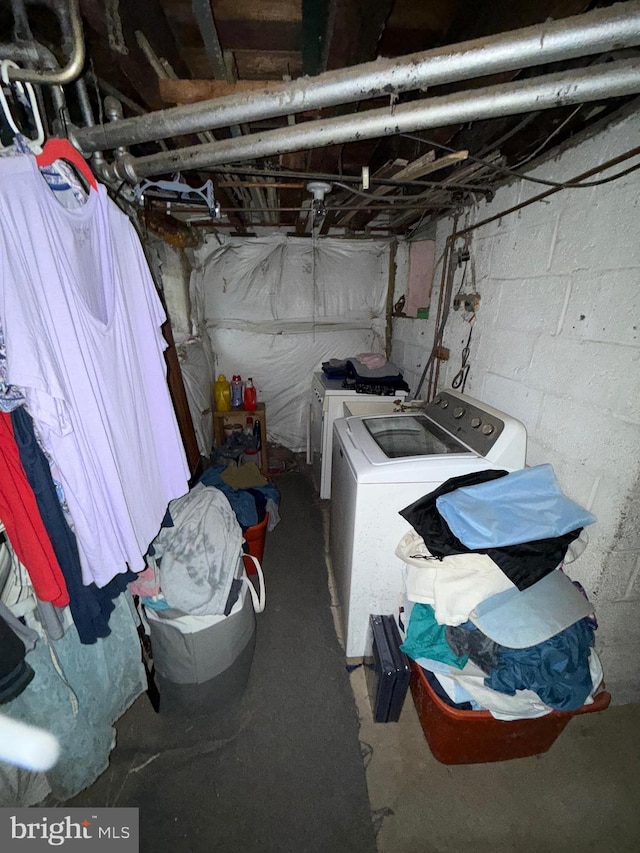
255	538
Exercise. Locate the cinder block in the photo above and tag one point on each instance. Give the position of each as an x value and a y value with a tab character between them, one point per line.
397	352
589	373
599	236
531	305
617	643
493	352
510	396
621	579
526	247
605	307
577	432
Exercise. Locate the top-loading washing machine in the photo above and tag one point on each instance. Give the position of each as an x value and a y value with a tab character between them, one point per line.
381	464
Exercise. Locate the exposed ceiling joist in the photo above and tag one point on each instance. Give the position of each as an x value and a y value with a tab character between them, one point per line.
235	54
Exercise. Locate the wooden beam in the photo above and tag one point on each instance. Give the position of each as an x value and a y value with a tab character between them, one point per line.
354	28
148	17
425	165
314	23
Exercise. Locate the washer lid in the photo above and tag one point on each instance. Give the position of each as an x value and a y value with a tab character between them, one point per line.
386	438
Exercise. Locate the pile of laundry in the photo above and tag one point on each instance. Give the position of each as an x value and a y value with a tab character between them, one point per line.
493	619
366	373
192	564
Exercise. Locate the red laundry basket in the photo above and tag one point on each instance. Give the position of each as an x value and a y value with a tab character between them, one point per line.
475	737
255	538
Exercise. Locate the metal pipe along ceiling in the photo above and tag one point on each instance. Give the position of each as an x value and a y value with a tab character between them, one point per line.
606	81
68	12
599	31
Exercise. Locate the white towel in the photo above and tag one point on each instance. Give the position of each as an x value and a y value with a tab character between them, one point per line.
453	585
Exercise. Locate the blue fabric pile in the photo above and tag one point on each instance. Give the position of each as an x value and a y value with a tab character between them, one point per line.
249	505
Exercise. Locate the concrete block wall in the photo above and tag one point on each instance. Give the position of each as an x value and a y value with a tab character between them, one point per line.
556	344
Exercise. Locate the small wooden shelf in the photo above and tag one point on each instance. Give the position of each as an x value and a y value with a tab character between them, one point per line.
240	416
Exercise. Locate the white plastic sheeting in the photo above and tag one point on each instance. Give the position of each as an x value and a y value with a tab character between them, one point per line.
171	268
196	364
276	307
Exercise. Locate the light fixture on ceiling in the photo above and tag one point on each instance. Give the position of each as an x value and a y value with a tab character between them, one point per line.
318	189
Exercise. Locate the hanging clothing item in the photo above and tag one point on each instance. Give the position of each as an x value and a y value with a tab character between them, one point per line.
15	672
90	606
82	320
21	516
28	636
10	397
523	564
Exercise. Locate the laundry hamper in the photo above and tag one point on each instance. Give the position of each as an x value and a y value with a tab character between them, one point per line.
475	737
201	663
255	537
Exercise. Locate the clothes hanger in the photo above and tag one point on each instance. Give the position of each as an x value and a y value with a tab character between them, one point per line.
55	148
59	148
182	190
35	143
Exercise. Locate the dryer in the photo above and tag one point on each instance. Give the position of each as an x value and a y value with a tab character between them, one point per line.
381	464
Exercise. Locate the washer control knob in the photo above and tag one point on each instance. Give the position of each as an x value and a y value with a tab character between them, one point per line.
436	402
458	412
487	429
475	422
444	404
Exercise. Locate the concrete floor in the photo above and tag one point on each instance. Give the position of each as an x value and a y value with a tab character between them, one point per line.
582	795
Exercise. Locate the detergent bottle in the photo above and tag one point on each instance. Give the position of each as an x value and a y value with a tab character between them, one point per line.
250	399
222	394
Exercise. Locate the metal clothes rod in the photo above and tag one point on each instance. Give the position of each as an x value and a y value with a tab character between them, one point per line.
577	86
602	30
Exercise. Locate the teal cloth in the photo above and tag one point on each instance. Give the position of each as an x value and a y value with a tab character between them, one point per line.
80	702
425	638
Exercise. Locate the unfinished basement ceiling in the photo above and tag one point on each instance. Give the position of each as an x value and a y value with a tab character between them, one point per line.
155	54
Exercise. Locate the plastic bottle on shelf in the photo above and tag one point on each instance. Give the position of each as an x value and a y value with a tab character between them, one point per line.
248	430
250	399
222	394
236	391
257	435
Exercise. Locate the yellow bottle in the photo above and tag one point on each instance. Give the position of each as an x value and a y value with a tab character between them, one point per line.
222	394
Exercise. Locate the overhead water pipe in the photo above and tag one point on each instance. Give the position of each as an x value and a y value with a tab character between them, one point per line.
602	30
68	12
577	86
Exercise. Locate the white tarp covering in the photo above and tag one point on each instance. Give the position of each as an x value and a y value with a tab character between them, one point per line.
196	364
276	307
